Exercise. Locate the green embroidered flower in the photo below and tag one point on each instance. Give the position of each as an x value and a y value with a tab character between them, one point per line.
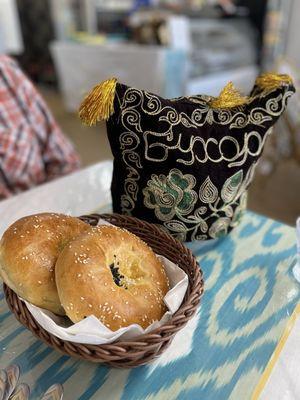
170	195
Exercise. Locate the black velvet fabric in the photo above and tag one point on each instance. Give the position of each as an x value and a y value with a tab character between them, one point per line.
184	165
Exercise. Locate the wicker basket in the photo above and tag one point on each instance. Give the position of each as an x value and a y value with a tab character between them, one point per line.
141	350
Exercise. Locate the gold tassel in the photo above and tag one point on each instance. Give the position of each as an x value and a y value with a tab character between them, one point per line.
99	103
270	81
229	97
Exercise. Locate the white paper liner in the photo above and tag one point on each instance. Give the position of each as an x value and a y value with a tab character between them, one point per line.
91	331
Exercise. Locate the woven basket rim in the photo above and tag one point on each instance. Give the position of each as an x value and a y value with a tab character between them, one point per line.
112	353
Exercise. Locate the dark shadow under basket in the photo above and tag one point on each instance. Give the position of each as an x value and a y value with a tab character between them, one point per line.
141	350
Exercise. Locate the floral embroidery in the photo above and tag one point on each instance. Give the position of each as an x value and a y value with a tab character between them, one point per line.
170	195
173	196
188	208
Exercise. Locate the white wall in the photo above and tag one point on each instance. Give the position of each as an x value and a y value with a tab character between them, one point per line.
293	37
10	33
62	18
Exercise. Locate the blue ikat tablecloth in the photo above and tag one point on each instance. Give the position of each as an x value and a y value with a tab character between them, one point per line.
250	292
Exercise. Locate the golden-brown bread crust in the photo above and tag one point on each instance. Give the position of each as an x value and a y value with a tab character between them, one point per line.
28	252
84	278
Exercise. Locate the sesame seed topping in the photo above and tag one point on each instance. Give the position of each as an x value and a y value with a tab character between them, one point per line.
81	298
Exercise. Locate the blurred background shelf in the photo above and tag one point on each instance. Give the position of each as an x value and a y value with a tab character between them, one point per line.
172	48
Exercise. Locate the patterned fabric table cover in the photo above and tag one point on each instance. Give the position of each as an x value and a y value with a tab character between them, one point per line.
250	292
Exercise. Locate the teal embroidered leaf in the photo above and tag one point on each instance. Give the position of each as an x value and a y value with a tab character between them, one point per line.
219	228
199	237
231	187
203	225
176	226
201	211
228	211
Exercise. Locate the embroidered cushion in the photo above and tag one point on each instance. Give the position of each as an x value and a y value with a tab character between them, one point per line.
186	163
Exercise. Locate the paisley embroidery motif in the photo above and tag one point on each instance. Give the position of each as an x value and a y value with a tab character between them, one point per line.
208	192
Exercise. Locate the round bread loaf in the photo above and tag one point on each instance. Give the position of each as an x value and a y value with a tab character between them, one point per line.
28	253
110	273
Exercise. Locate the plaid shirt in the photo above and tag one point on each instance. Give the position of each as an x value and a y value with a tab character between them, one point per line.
33	150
